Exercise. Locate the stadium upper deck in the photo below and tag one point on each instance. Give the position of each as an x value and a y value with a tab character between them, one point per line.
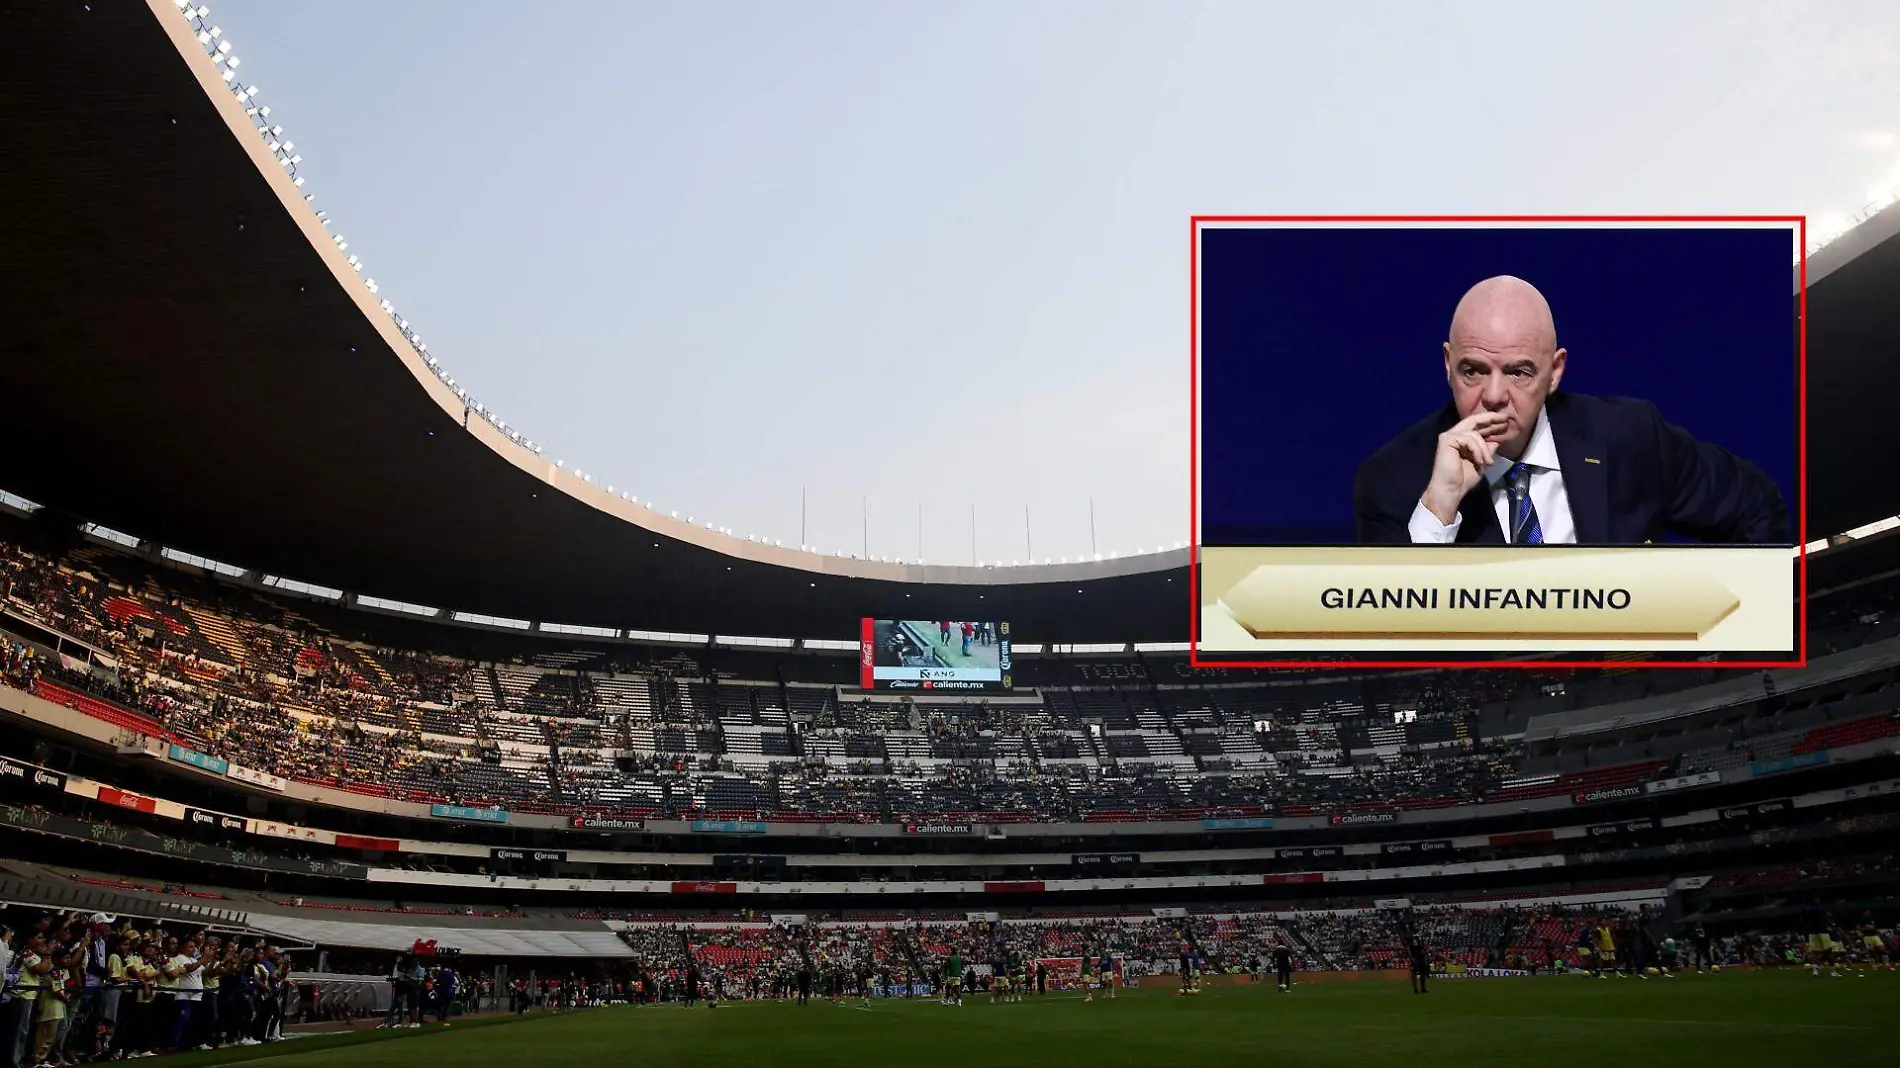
560	728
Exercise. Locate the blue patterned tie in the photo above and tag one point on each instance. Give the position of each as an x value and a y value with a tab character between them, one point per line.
1525	529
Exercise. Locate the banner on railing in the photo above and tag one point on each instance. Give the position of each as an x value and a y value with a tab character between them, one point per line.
1776	767
17	771
1683	782
274	829
920	989
218	820
214	765
254	777
727	827
466	812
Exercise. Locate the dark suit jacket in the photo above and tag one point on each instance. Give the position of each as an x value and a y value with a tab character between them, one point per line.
1631	478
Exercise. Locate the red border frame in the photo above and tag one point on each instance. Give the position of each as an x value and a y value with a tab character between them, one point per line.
1194	459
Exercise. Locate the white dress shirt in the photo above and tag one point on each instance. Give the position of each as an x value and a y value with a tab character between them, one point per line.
1547	496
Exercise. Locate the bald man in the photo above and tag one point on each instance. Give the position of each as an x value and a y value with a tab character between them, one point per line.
1513	461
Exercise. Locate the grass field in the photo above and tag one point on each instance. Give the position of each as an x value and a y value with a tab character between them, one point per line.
1785	1019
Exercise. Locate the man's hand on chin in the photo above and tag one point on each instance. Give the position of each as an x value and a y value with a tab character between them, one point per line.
1458	465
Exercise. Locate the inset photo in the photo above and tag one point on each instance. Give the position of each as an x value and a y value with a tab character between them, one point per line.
1519	435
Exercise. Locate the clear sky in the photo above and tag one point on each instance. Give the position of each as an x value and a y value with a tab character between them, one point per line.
904	252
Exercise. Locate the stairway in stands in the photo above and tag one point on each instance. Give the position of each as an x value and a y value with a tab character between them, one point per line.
221	634
385	682
915	955
553	767
1313	950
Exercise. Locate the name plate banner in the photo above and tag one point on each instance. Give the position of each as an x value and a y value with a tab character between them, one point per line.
1498	598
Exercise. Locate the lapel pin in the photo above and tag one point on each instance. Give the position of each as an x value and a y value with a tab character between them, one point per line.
1591	460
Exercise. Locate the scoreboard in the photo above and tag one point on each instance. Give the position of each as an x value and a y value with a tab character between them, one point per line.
933	654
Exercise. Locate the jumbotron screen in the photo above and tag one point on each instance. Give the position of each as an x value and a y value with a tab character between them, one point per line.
933	654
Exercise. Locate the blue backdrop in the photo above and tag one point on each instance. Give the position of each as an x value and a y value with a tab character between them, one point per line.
1319	345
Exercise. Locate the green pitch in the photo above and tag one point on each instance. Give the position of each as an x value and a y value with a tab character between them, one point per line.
1779	1019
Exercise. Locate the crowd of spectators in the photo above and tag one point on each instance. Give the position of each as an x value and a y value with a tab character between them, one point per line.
261	687
85	988
761	960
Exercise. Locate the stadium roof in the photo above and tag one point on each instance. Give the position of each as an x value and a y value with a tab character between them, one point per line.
194	360
190	357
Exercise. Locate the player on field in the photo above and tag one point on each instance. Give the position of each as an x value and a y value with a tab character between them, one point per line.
1671	957
1605	949
953	979
1420	954
1087	978
1282	966
1643	946
1106	966
1704	948
1817	925
1873	945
